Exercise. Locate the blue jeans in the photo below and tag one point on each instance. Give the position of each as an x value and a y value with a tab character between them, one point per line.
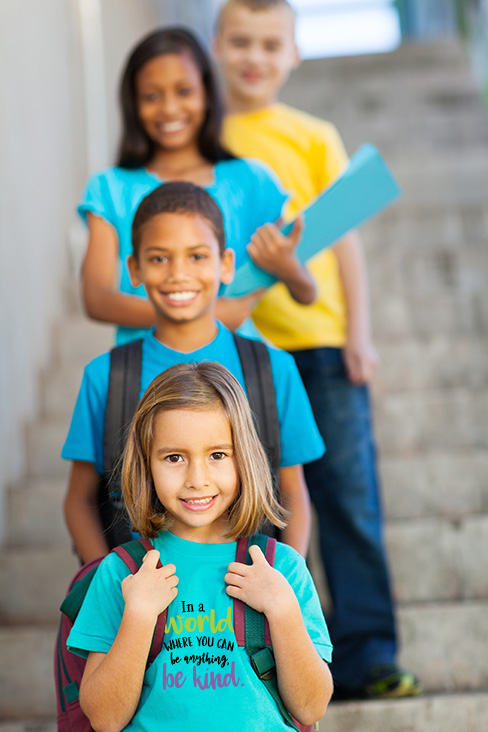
343	487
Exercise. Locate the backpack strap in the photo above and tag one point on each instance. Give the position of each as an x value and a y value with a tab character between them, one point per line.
122	400
252	630
258	377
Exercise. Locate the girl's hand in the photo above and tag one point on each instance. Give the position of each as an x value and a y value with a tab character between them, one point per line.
260	586
274	252
149	592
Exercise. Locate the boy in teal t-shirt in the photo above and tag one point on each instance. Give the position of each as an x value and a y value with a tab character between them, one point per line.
180	258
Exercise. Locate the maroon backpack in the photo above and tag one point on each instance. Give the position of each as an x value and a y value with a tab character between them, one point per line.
251	630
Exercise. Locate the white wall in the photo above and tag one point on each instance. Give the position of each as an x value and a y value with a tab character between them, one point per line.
39	164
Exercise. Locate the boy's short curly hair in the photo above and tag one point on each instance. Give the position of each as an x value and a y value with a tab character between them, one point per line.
178	197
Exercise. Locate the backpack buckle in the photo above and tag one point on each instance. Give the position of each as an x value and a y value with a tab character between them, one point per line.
263	663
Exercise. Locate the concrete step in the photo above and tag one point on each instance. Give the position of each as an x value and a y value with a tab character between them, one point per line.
443	644
426	103
397	317
60	387
446	644
448	482
420	228
34	510
33	580
432	420
438	362
439	713
33	583
79	339
450	572
29	725
44	441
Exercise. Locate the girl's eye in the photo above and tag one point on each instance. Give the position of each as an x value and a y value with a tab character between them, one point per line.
185	91
198	257
174	458
158	259
153	97
218	455
272	46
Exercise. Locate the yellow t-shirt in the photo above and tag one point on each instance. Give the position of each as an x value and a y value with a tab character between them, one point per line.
307	154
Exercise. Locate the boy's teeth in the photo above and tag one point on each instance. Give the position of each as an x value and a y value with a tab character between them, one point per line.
198	500
180	296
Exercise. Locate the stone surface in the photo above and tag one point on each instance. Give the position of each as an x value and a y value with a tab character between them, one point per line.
35	512
449	713
33	583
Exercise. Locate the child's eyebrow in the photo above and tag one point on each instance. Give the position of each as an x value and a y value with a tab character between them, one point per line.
212	448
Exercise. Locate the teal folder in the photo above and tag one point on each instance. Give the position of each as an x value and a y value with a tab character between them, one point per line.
364	188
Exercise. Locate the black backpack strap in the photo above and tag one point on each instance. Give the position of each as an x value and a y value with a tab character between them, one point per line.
258	377
122	400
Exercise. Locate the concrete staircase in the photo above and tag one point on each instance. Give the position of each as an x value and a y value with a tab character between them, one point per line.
428	264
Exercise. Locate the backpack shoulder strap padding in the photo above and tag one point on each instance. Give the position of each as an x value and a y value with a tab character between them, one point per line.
248	622
258	377
253	626
122	399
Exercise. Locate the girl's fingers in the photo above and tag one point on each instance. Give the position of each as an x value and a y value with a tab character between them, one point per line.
257	555
237	568
234	591
151	558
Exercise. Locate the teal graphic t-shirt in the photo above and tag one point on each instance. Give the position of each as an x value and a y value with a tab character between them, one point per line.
201	679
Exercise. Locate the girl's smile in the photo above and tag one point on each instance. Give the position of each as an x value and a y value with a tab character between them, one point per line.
194	471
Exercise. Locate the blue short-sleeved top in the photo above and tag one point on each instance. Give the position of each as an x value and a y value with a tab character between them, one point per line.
201	679
300	439
248	193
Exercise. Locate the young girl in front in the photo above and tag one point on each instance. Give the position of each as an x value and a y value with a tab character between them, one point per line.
171	125
195	480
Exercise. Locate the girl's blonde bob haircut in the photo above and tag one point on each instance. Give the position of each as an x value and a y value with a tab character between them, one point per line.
199	386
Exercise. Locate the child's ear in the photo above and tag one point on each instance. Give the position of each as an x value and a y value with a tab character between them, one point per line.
227	266
296	57
134	272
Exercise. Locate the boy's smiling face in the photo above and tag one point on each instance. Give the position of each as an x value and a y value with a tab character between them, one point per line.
181	267
257	52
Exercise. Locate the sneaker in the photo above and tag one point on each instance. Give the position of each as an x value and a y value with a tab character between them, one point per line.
390	682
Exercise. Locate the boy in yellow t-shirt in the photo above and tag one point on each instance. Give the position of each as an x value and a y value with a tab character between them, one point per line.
329	339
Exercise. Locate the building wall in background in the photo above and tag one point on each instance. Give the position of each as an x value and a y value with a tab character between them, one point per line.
40	165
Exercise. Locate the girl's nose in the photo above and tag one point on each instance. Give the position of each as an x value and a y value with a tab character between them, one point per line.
197	475
170	104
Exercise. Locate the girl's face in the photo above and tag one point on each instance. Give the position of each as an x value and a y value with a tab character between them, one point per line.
171	101
195	472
